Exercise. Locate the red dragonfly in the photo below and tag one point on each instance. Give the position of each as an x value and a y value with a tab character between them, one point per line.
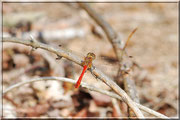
87	63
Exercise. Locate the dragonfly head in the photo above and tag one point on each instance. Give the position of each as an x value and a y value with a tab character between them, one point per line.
91	55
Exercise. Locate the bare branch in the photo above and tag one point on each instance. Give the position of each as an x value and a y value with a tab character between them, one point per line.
74	58
111	35
84	85
118	49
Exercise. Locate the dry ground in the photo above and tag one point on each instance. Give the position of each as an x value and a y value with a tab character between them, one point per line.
154	47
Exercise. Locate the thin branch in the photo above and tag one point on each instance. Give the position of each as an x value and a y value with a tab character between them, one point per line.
74	58
110	33
129	84
130	89
118	49
84	85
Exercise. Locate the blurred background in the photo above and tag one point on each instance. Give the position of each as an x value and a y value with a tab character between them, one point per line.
154	47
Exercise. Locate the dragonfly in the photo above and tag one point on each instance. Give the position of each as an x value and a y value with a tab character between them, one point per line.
87	63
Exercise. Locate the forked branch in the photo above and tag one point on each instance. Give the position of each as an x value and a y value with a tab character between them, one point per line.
74	58
118	47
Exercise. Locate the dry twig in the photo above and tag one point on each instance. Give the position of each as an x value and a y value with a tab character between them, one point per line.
74	58
118	49
84	85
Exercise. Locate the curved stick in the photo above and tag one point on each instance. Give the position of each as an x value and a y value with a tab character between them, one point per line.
84	85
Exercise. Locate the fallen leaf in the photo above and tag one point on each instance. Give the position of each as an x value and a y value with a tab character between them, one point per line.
81	99
100	99
35	111
82	113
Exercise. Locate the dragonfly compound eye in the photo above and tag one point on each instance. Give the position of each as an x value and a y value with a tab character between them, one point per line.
92	55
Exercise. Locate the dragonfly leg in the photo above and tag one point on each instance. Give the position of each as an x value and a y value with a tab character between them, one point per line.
58	57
